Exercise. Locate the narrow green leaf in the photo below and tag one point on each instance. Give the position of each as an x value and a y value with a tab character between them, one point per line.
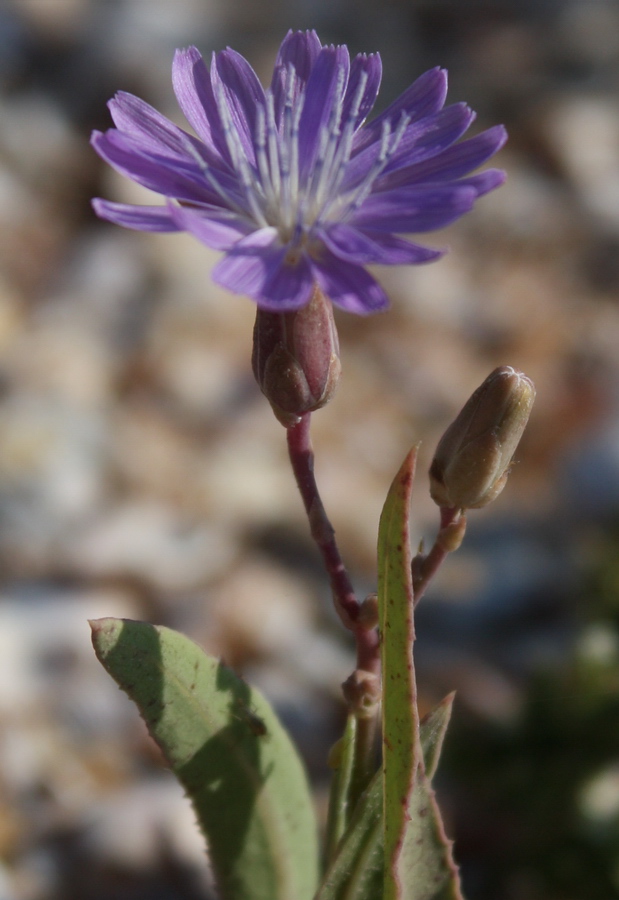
229	751
342	762
401	747
418	859
426	867
356	872
433	728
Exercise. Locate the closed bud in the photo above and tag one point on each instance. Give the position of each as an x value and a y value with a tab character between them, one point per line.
362	693
368	612
472	460
296	358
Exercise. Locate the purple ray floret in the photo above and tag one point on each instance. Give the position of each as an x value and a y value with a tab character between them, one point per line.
289	182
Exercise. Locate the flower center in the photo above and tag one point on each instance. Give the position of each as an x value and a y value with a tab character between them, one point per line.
297	197
298	185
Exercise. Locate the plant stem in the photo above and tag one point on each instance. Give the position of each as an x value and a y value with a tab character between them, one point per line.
448	539
323	533
362	752
302	459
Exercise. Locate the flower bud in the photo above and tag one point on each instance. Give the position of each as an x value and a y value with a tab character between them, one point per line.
368	612
472	461
362	693
296	358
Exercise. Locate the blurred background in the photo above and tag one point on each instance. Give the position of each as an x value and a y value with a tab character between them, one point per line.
143	475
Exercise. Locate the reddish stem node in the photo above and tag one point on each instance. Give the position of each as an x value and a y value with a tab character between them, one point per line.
448	539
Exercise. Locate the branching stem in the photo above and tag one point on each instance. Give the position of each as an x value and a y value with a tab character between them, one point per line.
346	603
448	539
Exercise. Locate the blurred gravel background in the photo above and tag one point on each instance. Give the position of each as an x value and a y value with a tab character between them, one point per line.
143	475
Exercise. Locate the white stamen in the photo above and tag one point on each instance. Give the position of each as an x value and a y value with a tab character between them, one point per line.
387	150
210	177
252	186
291	84
348	132
289	154
274	191
294	149
329	135
261	158
273	145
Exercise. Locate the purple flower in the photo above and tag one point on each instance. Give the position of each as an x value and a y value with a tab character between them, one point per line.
289	182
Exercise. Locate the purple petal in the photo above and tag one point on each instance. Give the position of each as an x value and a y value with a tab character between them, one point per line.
288	288
194	93
140	218
484	182
425	96
431	135
172	177
427	137
329	71
242	94
416	209
256	266
452	163
160	175
372	67
245	269
365	247
155	133
298	51
216	229
348	285
403	252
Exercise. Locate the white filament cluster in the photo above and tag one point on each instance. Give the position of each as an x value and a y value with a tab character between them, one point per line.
284	191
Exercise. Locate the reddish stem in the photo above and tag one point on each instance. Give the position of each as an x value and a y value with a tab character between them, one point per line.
323	533
448	539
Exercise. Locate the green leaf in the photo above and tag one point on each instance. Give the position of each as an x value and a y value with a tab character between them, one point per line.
418	858
432	729
426	866
341	759
227	748
356	872
401	746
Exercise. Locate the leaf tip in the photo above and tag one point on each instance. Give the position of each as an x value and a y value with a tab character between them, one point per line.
411	458
104	633
448	701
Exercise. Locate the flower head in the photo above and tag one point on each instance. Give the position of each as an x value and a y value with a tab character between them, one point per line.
473	458
296	358
290	182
